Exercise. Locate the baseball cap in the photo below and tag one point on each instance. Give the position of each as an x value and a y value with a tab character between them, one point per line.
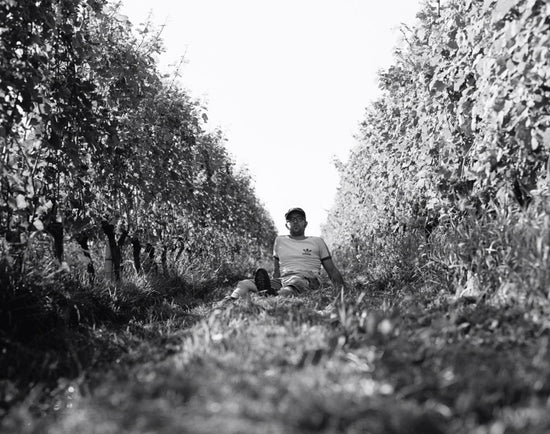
295	211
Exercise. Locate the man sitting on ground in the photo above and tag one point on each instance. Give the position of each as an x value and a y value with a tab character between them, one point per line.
297	261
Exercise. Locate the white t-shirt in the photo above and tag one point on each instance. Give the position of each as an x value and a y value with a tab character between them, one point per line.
299	256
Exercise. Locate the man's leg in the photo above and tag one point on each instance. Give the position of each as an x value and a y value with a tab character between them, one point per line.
261	282
293	285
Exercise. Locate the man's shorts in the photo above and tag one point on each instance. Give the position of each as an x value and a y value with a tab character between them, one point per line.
300	282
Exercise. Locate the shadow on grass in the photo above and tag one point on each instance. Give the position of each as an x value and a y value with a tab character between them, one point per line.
59	329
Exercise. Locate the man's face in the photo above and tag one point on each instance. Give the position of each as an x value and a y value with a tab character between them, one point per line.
296	224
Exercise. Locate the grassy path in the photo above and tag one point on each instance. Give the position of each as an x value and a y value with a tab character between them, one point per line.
375	364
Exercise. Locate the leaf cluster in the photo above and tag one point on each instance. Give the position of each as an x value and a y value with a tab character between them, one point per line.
90	131
459	137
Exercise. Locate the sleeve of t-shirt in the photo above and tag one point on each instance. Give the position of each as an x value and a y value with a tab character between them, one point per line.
324	252
276	248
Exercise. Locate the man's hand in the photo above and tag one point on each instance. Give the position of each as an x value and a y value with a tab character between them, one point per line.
334	274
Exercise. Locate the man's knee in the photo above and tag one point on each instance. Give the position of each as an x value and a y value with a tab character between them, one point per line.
243	288
275	285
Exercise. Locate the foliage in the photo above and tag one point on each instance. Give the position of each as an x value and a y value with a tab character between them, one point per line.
445	191
458	141
91	132
94	141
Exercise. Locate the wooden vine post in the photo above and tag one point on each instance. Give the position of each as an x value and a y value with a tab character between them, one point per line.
112	253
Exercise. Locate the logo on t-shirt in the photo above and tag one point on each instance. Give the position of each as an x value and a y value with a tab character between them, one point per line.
306	252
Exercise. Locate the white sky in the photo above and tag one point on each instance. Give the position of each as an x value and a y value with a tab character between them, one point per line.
287	81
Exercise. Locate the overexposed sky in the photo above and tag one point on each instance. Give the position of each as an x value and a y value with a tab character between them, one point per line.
286	80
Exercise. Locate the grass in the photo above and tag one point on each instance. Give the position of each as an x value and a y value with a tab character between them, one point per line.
367	362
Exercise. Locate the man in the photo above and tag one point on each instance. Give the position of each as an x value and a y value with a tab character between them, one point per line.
297	261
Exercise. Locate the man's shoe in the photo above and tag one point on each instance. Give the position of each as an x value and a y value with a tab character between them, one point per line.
262	280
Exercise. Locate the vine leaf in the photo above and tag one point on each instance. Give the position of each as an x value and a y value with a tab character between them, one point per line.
21	202
502	8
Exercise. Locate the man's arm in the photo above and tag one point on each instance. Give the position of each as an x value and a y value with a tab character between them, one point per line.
276	268
333	273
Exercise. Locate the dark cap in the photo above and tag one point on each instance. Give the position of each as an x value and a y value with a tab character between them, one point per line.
295	211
